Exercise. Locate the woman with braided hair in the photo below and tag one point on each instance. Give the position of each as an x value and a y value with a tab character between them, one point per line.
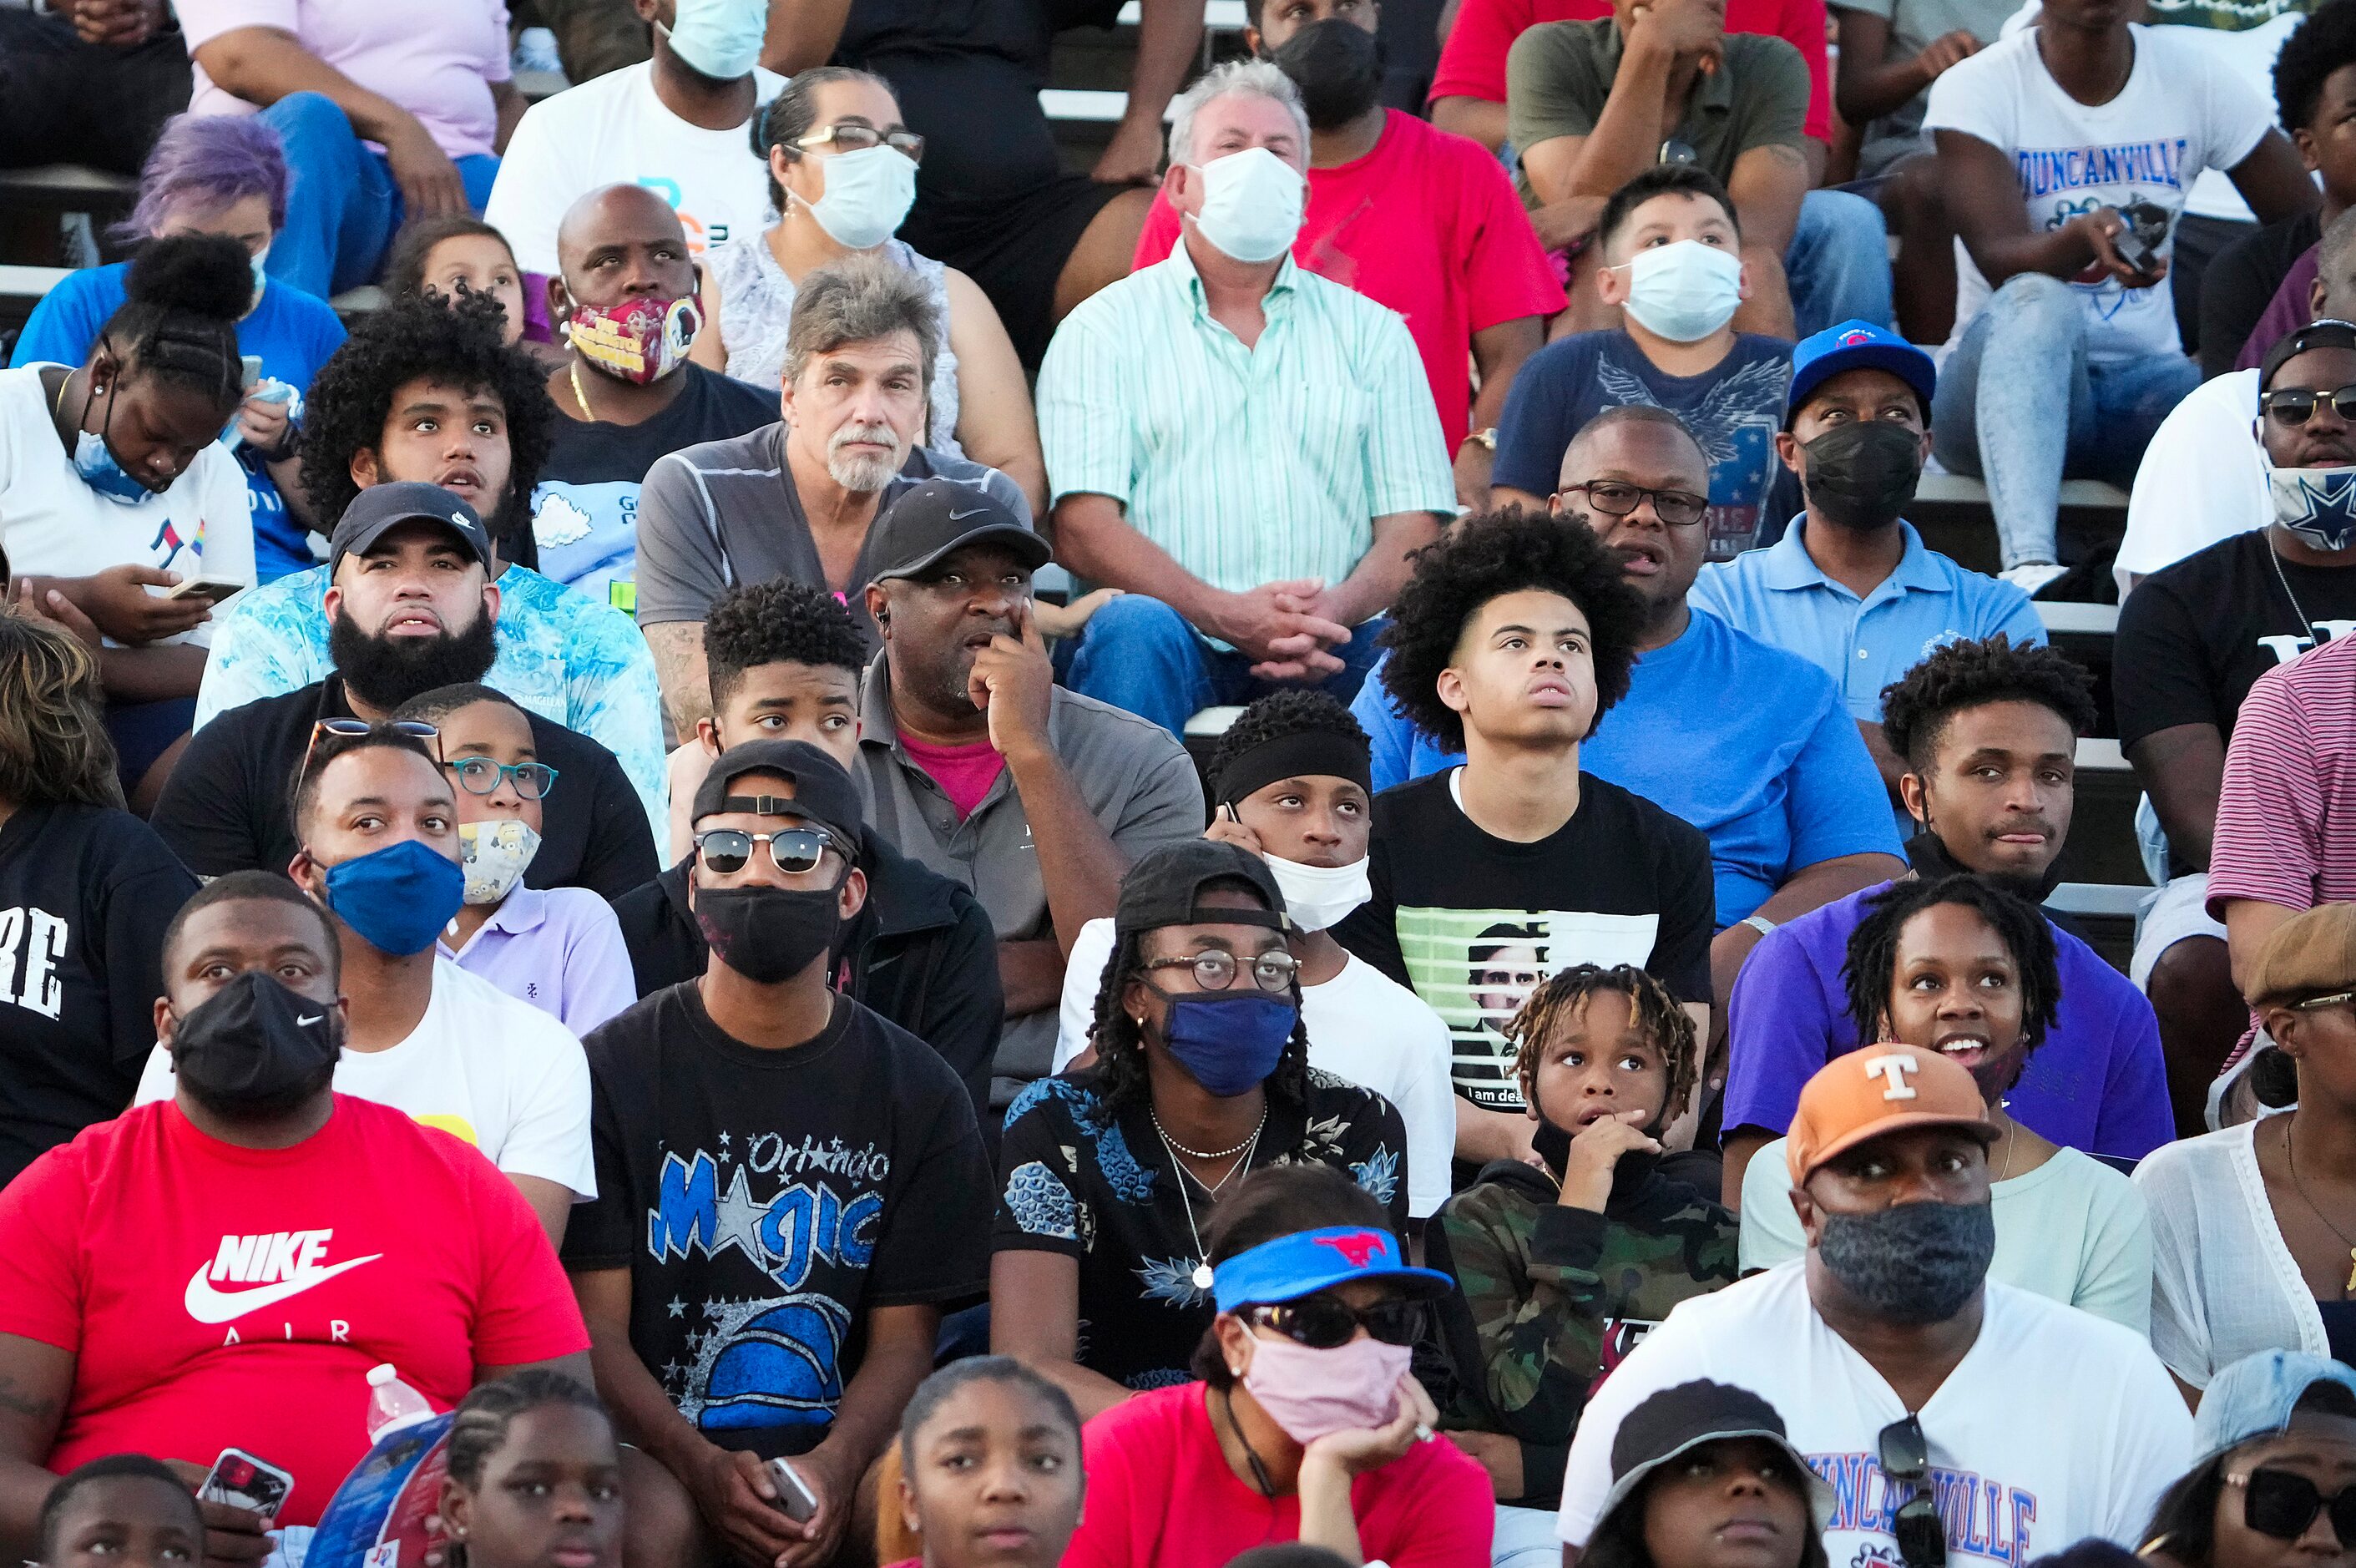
1109	1177
534	1478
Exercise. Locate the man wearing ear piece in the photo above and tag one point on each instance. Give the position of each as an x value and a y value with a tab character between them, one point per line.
1851	586
1911	1378
757	1110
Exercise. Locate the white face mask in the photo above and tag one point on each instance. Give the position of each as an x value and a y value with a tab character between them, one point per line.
1252	202
719	38
867	195
1320	897
1684	290
494	856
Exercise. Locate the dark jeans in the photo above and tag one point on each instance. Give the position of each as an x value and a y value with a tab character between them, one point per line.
1140	654
66	101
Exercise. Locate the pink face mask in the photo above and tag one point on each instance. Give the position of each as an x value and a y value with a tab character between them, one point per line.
1312	1392
640	341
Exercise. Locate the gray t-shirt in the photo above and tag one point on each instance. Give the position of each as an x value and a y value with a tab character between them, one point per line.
724	512
1912	24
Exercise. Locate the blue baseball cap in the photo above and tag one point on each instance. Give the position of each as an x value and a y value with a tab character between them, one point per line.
2255	1395
1310	1260
1856	346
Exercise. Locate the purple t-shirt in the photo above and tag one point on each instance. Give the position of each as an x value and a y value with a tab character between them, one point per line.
559	949
2097	1083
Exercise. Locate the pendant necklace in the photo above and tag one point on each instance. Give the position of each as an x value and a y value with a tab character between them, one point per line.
1202	1275
2290	1159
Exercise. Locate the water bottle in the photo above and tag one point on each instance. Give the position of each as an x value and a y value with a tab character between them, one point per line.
393	1404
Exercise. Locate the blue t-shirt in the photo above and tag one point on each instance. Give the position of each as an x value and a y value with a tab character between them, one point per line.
292	332
1746	742
1733	409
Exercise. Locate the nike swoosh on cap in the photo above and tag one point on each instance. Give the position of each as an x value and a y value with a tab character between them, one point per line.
961	516
207	1305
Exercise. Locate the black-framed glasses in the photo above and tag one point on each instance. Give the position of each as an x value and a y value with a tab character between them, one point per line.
481	776
1677	508
2313	1003
1905	1457
853	137
348	729
1216	969
1328	1322
794	850
2284	1503
2296	405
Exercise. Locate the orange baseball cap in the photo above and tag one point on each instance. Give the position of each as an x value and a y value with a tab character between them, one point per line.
1876	1090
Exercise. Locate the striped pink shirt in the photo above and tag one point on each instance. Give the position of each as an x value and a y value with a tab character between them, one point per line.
2286	817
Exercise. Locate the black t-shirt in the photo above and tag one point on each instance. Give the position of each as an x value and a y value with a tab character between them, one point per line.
765	1202
1473	923
85	894
1021	31
2240	282
1103	1190
229	804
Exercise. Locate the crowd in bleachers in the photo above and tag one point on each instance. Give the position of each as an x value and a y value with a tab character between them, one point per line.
754	810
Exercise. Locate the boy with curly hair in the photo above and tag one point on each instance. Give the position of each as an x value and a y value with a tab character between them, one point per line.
1512	638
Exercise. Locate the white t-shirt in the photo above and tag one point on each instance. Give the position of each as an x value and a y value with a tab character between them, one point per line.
2203	478
480	1065
2182	112
1363	1025
2072	1230
613	130
53	525
2055	1426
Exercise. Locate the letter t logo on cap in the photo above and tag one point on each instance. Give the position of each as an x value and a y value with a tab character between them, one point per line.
1893	1068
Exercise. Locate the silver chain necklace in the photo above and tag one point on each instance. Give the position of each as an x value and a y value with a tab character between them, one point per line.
1202	1275
2306	627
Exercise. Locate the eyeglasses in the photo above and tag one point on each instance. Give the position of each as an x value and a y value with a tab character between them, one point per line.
1906	1459
2296	405
794	850
2313	1003
1216	969
1328	1322
348	729
2282	1504
481	776
856	138
1676	508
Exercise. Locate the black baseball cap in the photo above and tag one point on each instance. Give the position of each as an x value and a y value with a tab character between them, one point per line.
2327	333
940	517
823	793
1165	888
382	507
1678	1420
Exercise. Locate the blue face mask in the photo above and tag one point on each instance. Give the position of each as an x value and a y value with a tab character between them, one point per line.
95	461
1230	1041
397	898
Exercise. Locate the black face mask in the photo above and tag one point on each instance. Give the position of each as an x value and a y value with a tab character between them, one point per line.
1914	1263
254	1051
1861	474
1927	853
768	935
1338	65
385	672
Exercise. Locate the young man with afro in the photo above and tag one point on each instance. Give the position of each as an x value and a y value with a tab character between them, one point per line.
1510	641
426	391
1989	730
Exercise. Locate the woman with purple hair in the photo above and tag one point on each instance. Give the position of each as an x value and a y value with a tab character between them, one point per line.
218	174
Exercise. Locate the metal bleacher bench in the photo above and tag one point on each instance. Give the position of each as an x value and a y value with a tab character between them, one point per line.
1958	489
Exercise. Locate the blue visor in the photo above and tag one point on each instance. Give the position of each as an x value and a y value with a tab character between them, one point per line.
1309	1260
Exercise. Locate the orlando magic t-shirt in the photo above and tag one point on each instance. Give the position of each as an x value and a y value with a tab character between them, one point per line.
1733	409
767	1202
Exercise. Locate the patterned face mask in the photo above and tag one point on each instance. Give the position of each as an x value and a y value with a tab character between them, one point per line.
2317	504
640	341
494	855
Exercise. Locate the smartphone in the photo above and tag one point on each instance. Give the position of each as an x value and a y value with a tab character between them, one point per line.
250	370
2138	243
241	1480
211	589
793	1496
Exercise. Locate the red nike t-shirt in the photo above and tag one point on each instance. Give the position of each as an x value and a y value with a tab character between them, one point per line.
214	1295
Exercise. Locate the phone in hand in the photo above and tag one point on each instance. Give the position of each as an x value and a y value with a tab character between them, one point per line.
2138	243
795	1498
212	590
242	1480
249	370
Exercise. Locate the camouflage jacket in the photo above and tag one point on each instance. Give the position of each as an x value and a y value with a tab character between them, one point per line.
1549	1299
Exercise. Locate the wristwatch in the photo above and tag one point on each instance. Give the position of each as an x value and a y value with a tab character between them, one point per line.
1759	923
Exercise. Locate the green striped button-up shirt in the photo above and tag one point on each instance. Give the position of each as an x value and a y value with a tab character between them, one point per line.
1249	466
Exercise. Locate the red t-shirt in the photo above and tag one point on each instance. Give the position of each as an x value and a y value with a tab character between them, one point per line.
965	773
1160	1492
1473	60
215	1295
1428	224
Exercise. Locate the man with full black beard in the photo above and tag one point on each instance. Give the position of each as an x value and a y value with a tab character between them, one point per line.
1949	1414
410	608
1989	733
224	1267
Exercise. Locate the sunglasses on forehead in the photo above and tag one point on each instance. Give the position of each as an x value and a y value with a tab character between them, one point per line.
348	729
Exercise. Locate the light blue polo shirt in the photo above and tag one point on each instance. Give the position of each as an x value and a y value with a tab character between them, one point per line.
1781	596
1745	741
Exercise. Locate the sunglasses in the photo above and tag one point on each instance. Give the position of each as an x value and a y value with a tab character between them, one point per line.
2282	1504
481	776
853	138
1328	1322
2296	405
2314	1003
1677	508
347	729
794	850
1905	1456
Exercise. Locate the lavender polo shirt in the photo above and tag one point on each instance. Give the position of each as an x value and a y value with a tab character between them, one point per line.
559	949
2096	1084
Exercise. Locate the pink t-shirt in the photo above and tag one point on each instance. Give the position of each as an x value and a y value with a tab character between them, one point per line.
1428	224
434	58
1160	1493
2285	831
965	773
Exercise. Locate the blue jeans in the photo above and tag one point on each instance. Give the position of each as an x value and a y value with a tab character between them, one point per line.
1140	654
1525	1539
2020	405
343	209
1837	264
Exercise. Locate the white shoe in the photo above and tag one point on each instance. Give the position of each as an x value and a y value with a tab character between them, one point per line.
2031	576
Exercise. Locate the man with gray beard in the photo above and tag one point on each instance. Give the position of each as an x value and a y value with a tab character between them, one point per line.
797	498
